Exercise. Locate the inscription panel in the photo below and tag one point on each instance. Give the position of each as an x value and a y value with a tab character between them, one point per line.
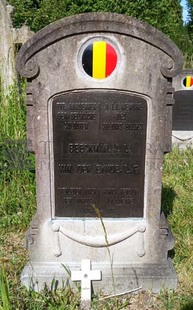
183	110
99	140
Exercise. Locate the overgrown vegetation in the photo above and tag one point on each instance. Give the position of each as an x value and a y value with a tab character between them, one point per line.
17	172
163	14
17	205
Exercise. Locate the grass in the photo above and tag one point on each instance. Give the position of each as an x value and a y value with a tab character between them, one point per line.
178	176
17	205
17	174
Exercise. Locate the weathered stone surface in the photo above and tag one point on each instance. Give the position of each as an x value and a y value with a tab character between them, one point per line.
7	57
21	35
99	145
9	36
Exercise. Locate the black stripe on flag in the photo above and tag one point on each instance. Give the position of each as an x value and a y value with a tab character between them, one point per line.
87	59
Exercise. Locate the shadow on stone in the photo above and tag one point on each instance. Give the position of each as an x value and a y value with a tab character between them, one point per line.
168	196
171	253
188	306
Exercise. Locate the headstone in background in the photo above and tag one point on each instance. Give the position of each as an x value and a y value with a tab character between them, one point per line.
99	101
182	135
9	37
7	56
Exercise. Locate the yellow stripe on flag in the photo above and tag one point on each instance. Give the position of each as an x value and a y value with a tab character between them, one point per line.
99	60
188	81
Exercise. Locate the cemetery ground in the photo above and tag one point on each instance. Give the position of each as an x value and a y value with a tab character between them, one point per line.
17	206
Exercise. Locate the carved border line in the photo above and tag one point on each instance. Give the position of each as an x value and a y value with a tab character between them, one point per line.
97	22
100	241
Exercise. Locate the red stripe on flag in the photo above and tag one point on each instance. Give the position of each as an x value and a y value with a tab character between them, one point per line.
191	82
111	59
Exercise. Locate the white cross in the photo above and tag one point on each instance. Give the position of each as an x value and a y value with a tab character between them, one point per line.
86	276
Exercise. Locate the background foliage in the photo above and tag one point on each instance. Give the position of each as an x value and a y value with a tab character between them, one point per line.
163	14
166	15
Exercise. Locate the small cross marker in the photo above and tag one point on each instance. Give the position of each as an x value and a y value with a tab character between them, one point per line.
86	276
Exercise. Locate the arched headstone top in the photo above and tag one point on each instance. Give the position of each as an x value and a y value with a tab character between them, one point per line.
95	23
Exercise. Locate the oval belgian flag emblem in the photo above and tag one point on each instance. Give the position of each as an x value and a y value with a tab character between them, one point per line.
188	81
99	59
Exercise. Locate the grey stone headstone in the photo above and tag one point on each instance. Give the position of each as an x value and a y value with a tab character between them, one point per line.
182	134
7	55
99	102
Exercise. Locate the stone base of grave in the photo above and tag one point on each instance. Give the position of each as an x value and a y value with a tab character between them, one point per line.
151	277
182	139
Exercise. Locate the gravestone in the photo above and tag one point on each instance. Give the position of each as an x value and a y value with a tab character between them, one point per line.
9	37
182	135
99	104
7	57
